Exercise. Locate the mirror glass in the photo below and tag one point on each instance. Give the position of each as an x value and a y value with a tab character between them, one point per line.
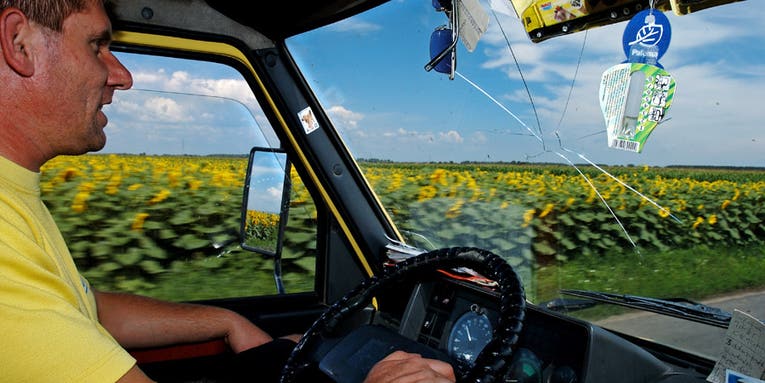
265	195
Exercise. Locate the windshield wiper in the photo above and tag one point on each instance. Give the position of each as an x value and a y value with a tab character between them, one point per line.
676	307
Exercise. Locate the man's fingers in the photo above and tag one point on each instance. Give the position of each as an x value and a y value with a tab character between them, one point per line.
406	367
442	368
400	355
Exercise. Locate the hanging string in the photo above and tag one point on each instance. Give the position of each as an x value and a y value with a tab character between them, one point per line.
573	81
523	79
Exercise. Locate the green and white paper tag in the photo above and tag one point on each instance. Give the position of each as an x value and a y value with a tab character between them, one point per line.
634	98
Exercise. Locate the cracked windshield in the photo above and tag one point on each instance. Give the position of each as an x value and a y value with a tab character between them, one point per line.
624	158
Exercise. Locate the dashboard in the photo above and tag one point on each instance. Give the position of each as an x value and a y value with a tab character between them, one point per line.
457	318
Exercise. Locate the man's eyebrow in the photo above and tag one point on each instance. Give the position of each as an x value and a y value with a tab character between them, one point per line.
103	37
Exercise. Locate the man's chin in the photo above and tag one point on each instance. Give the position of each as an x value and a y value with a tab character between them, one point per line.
83	150
98	146
94	144
98	141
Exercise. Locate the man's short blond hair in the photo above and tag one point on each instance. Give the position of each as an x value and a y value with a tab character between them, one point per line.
50	13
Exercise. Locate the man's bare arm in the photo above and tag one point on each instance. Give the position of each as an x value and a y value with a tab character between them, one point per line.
137	322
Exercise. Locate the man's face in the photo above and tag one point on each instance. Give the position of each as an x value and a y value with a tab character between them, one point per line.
82	76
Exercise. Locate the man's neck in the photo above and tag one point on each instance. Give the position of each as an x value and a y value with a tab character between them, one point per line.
21	150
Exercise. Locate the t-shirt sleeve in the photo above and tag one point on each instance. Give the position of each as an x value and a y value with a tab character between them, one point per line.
46	338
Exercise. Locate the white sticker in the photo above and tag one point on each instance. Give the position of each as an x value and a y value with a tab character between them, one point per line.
308	119
473	21
743	350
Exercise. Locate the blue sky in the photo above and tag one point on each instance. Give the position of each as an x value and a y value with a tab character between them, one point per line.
368	74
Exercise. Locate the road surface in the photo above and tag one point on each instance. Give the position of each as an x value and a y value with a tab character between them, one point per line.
695	337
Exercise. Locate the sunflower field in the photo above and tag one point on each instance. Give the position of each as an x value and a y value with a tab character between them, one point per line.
556	213
131	221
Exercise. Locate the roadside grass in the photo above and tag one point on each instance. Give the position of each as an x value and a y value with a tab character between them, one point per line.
696	274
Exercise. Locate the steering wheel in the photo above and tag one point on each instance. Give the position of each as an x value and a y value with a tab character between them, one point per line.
491	363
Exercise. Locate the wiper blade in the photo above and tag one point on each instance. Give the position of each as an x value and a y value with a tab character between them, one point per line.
564	304
676	307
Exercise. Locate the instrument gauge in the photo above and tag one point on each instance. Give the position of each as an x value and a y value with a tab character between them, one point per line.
469	335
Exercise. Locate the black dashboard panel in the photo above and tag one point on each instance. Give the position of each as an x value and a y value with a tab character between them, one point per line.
552	348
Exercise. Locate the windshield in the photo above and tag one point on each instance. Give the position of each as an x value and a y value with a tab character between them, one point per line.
519	153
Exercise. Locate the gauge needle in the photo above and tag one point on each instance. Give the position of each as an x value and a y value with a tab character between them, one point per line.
470	338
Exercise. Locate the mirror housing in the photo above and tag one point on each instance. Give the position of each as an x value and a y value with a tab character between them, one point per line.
265	201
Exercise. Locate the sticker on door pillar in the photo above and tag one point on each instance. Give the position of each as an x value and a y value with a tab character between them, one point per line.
308	119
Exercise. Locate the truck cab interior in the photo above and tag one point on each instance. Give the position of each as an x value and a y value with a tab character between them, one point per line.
222	88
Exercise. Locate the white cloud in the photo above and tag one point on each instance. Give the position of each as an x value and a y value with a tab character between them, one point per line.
355	26
235	89
182	81
142	77
344	118
274	192
478	138
404	135
734	22
164	109
451	136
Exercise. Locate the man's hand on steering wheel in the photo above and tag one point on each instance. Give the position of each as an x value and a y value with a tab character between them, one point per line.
403	367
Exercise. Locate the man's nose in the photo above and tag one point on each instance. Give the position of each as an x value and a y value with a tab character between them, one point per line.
119	75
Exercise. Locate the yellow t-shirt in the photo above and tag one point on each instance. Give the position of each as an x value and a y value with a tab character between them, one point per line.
48	316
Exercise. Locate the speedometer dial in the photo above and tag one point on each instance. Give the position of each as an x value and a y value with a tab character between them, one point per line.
470	334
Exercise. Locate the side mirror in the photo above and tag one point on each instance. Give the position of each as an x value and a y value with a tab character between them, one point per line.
265	201
444	39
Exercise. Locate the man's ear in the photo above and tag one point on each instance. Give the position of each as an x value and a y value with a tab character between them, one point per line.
15	34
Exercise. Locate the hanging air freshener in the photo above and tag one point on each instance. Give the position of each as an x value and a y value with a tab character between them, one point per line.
646	37
635	95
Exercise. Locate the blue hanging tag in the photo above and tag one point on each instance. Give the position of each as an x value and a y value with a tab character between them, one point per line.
646	37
